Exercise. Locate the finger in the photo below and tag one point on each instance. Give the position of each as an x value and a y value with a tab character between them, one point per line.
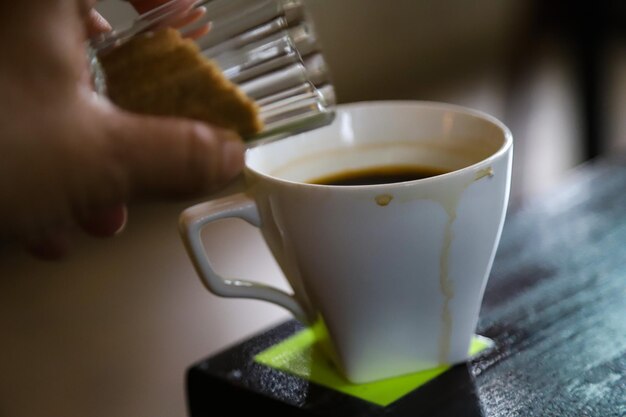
52	247
55	245
143	6
189	17
185	15
96	24
197	32
105	222
168	156
84	6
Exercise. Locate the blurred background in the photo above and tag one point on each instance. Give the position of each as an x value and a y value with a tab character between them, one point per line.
110	331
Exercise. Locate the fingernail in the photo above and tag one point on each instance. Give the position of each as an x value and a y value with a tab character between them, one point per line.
106	222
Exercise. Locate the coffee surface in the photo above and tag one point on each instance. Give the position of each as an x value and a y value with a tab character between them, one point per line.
378	175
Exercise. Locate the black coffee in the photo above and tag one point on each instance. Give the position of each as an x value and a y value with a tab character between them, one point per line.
379	175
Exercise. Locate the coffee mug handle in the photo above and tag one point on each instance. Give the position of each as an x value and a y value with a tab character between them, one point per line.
195	218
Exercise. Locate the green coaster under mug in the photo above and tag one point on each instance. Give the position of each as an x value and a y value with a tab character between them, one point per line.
299	355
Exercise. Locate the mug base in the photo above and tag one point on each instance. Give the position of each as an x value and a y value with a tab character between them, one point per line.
233	380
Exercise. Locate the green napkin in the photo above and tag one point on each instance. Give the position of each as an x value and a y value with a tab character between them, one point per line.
300	355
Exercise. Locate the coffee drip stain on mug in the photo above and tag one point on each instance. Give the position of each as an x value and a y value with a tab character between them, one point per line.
482	173
383	199
450	205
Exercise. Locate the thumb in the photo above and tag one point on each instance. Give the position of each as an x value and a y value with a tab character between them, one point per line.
143	6
171	156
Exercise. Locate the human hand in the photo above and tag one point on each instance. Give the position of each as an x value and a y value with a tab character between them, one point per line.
69	157
186	16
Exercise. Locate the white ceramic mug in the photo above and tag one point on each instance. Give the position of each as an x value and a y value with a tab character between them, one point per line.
395	271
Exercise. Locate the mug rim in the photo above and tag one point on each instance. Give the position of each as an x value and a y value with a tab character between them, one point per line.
442	106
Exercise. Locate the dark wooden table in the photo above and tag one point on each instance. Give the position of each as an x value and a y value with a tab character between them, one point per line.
555	305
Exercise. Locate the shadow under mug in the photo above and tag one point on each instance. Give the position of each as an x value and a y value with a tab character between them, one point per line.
396	272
